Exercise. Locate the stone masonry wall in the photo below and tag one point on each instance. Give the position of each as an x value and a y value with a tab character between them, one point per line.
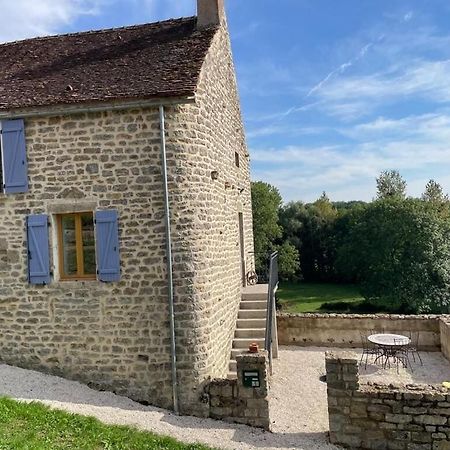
384	417
342	330
203	138
110	335
231	401
444	326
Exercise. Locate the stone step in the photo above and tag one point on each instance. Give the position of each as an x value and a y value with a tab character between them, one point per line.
258	292
232	375
251	333
252	314
245	342
251	323
237	351
254	296
232	366
253	304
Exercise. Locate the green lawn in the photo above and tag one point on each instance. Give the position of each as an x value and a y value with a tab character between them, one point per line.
33	426
309	297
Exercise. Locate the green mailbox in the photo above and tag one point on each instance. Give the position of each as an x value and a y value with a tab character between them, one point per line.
251	378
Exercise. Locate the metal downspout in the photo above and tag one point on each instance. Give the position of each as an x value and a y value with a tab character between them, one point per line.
169	260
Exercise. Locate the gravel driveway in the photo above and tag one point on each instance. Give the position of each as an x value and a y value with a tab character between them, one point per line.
298	406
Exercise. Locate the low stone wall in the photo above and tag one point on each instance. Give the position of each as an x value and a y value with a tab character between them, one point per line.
342	330
384	417
444	325
233	401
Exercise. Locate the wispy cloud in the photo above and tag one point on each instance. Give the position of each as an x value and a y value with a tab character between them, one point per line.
426	80
414	145
29	18
408	16
343	67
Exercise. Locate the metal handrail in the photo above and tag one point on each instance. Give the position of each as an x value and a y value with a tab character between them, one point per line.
271	307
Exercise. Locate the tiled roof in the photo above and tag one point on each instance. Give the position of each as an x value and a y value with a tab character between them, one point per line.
161	59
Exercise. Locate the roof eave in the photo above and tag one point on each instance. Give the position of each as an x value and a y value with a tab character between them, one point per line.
98	106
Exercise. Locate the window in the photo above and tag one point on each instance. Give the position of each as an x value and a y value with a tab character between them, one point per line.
76	239
236	159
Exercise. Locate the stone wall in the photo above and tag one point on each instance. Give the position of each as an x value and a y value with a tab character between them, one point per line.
115	336
343	330
384	417
444	326
203	138
231	401
110	335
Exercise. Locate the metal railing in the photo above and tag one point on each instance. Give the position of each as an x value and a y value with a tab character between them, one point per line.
271	339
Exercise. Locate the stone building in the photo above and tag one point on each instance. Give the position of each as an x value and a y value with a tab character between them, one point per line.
126	185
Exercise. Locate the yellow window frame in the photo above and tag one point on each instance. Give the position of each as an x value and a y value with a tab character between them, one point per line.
80	275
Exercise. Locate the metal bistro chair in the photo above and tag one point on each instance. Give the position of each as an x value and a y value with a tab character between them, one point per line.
368	349
413	347
401	354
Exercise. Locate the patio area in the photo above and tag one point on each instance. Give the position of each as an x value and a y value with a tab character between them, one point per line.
299	399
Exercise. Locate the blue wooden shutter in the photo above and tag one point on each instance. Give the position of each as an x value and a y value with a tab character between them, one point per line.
14	158
107	245
38	252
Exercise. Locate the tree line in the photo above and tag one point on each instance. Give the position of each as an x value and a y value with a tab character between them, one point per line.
396	248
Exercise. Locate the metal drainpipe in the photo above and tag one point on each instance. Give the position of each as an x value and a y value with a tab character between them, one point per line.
169	260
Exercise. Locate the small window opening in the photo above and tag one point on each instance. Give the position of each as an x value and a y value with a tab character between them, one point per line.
236	159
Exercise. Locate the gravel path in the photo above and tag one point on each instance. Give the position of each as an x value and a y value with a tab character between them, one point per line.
298	406
298	402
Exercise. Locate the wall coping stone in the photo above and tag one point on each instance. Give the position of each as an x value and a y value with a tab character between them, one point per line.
445	317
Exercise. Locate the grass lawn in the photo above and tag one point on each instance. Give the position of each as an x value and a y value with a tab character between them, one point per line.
309	297
33	426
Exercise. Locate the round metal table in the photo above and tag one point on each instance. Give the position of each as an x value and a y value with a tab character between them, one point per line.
390	345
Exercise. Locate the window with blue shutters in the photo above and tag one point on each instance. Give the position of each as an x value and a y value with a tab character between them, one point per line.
88	246
14	158
38	249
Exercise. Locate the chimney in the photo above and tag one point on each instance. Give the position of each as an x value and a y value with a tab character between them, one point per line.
210	13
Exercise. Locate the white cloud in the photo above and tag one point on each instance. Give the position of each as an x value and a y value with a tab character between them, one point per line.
415	145
342	68
408	16
28	18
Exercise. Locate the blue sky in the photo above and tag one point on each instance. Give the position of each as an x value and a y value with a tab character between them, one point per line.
332	91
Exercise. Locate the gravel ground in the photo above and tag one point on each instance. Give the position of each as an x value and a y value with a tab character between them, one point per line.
435	370
298	402
298	406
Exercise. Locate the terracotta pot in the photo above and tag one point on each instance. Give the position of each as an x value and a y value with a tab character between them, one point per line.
253	347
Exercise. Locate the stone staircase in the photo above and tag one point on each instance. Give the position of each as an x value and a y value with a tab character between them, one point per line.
251	323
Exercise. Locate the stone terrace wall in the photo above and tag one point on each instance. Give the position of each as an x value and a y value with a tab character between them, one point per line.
384	417
342	330
444	325
231	401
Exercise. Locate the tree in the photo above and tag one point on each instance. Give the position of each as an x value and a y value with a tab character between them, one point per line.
434	193
400	251
390	184
309	228
266	202
288	261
